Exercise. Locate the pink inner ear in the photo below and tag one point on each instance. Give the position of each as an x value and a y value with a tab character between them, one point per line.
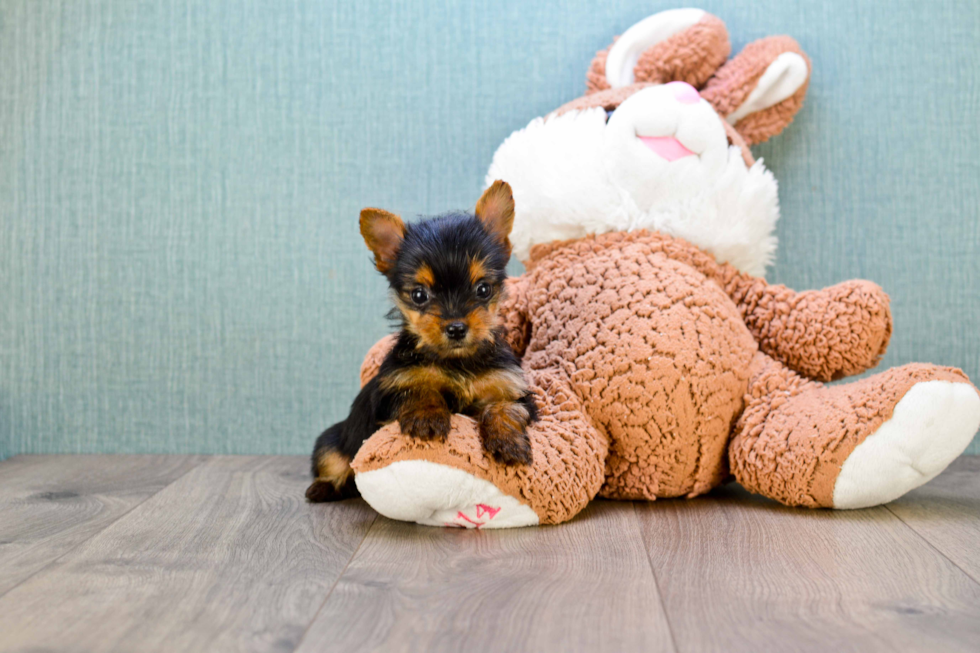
667	147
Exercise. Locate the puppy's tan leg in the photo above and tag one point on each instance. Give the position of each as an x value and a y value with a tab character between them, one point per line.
334	478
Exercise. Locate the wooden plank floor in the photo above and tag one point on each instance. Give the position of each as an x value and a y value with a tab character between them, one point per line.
197	553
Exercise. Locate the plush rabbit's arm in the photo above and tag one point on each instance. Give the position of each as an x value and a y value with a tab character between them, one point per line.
824	334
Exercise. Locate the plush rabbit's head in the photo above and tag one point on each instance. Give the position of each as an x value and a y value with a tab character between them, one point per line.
661	141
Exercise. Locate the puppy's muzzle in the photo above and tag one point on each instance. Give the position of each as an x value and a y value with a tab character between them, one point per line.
456	331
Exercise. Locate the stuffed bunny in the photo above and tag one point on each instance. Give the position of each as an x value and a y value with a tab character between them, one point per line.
662	364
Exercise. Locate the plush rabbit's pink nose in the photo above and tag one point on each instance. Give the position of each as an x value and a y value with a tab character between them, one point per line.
684	92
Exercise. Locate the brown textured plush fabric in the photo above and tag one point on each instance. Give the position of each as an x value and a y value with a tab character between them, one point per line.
644	355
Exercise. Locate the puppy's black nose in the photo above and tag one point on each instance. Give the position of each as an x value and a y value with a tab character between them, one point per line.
456	331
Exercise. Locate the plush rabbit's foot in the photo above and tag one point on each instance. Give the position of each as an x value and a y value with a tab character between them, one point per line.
455	482
438	495
930	426
851	445
450	482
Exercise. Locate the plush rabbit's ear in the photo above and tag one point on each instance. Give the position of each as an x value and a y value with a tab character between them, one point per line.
761	89
676	45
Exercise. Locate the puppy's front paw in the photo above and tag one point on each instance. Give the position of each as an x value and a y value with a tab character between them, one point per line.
425	422
503	431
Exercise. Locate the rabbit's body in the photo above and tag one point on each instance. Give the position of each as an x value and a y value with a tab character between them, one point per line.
660	360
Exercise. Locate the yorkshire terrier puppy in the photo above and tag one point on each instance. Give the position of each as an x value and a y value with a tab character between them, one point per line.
447	278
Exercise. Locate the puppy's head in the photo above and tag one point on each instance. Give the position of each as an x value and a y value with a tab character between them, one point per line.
446	273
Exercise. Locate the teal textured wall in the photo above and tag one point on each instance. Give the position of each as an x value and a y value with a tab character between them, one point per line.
180	181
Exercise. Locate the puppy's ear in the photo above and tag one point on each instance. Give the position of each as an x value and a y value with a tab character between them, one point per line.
383	232
496	211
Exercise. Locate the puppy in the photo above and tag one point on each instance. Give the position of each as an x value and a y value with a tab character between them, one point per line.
447	278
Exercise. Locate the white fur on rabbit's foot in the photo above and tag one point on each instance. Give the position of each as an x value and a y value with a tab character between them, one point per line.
932	425
437	495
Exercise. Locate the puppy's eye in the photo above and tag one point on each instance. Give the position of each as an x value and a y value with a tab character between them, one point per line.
483	290
419	296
